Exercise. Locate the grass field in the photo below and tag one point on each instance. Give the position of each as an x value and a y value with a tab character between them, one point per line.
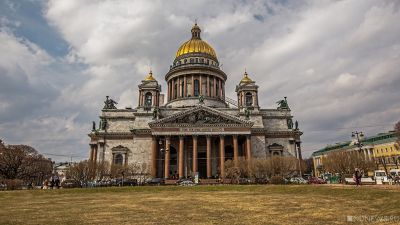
200	205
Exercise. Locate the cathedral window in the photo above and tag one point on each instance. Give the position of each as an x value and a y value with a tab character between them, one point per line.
182	89
185	61
149	98
118	160
249	99
217	88
191	60
197	60
196	87
175	90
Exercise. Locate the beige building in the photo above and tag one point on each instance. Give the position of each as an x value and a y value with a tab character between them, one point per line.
198	128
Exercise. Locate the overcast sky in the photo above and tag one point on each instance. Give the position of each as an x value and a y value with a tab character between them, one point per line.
338	62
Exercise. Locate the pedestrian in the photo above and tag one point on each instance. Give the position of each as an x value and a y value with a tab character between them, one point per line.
357	178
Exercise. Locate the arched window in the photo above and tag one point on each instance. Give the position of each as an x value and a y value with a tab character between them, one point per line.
217	88
249	99
149	98
196	87
118	160
182	88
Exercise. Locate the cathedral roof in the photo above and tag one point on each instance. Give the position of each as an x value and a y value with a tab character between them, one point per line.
196	45
245	78
149	77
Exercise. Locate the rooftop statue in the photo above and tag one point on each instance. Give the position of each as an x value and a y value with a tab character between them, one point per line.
283	104
109	103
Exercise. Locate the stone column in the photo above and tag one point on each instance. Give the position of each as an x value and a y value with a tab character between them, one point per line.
95	153
179	87
180	156
201	85
220	88
222	156
192	94
215	88
248	147
208	87
154	156
167	157
91	153
173	89
194	164
184	87
208	156
235	151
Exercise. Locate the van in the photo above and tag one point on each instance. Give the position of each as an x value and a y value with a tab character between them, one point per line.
380	177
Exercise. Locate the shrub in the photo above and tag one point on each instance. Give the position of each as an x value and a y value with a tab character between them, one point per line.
13	184
277	180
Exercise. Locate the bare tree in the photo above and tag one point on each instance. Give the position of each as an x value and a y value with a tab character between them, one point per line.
232	172
345	163
82	172
139	171
24	163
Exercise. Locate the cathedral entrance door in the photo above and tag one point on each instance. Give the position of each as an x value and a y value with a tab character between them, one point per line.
202	164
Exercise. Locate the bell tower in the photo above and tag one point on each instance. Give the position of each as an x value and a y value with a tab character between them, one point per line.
247	93
149	93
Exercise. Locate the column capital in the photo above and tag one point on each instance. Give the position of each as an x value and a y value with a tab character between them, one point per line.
181	137
195	136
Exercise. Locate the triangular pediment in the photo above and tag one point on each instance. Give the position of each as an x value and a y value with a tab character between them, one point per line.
201	116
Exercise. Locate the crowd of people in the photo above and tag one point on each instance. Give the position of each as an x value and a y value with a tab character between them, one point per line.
52	183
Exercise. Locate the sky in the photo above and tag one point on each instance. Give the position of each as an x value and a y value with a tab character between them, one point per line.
336	61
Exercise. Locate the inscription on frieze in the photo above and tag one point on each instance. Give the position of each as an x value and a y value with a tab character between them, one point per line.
201	129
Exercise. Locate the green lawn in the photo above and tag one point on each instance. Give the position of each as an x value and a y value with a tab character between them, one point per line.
269	204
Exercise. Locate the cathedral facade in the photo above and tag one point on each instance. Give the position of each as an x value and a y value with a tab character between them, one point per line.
194	128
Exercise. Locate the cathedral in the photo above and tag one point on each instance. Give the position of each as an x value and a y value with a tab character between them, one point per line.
193	128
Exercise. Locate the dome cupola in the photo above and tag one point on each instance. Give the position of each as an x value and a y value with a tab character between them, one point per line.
196	45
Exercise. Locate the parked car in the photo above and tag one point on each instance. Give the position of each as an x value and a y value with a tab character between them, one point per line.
380	176
127	182
70	184
155	181
316	180
395	174
185	182
298	180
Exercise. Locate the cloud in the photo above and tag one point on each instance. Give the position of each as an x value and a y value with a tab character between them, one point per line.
337	61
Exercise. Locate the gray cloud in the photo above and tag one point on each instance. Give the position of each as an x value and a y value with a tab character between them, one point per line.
337	61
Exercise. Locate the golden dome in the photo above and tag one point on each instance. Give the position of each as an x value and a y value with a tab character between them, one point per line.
246	78
195	45
150	77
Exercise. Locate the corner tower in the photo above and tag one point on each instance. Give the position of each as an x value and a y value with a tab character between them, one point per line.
149	93
247	93
195	72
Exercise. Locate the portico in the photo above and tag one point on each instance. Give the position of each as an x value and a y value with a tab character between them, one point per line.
194	153
198	140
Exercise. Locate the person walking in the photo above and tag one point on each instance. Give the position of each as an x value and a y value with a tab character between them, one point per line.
357	178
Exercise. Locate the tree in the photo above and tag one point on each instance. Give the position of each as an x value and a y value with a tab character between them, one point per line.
24	163
82	172
345	163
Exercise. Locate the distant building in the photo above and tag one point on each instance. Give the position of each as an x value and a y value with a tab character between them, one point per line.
382	148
